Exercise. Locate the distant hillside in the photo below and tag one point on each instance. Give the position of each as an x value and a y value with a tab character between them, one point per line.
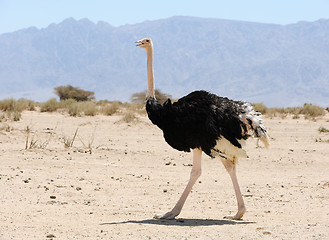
274	64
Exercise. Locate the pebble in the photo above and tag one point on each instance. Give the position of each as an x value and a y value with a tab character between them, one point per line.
51	236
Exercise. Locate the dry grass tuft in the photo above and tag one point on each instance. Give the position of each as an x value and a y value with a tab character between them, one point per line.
129	117
323	130
69	142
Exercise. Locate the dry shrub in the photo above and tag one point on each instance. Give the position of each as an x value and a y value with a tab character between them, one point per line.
74	109
9	105
77	109
16	116
140	97
110	109
276	112
129	117
13	108
89	108
308	110
323	130
50	106
70	92
260	107
26	104
65	104
312	111
138	108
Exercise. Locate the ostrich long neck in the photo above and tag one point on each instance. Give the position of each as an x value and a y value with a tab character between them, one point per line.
150	77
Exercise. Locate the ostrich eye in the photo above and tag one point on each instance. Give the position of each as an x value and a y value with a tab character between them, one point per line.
147	40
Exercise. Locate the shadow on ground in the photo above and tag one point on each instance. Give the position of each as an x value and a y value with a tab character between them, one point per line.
182	222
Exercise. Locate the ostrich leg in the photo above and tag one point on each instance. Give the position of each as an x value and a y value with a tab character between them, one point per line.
230	168
195	174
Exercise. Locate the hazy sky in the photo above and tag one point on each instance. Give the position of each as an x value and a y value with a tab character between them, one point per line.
18	14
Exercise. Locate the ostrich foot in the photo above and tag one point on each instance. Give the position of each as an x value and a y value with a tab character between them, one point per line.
237	216
169	215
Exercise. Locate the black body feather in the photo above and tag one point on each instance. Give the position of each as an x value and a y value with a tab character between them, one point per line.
198	120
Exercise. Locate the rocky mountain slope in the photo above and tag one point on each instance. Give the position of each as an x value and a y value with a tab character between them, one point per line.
274	64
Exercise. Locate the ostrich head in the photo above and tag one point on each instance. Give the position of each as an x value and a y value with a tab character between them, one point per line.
145	43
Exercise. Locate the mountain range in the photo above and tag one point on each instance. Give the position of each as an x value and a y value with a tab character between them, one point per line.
278	65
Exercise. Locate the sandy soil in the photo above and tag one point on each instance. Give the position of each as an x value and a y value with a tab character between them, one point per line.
116	176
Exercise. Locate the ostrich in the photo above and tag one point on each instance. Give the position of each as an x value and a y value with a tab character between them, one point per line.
203	122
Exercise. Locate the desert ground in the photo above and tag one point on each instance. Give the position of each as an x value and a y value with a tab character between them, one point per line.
110	180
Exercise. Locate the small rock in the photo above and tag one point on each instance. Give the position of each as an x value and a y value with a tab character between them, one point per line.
51	236
165	190
78	188
53	197
187	165
247	195
267	233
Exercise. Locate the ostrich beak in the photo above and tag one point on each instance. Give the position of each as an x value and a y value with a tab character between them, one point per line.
139	43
